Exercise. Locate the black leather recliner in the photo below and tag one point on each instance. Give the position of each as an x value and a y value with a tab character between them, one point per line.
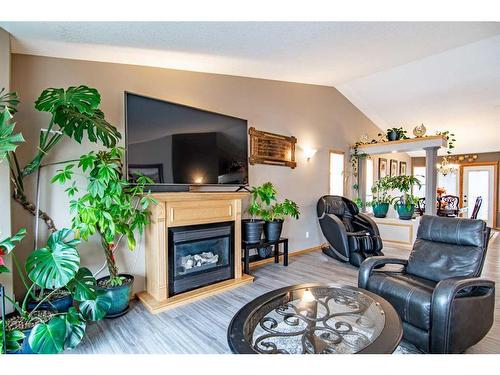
444	305
351	235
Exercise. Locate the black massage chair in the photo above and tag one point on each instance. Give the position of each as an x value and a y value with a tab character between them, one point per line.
352	236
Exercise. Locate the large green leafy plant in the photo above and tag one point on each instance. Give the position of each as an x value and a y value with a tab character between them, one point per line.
53	268
109	206
74	113
261	196
405	185
48	270
380	190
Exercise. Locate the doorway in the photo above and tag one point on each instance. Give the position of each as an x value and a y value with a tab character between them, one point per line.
480	180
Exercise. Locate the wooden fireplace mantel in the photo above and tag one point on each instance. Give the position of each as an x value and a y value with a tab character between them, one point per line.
179	209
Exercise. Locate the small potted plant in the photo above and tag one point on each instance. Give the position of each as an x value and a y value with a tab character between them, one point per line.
252	228
405	205
111	208
394	134
381	197
274	217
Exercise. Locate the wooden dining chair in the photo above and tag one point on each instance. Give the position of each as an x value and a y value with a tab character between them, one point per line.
477	207
448	205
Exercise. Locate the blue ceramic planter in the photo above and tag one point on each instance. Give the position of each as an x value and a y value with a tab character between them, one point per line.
60	305
405	212
380	209
120	296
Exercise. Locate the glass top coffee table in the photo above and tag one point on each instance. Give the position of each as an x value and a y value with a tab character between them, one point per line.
314	319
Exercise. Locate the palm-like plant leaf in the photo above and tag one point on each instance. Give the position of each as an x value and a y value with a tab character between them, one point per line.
8	140
56	264
83	285
48	338
75	328
96	309
76	110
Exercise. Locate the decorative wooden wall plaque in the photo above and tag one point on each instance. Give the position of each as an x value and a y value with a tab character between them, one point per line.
270	148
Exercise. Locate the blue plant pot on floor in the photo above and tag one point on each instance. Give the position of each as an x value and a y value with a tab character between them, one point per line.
120	296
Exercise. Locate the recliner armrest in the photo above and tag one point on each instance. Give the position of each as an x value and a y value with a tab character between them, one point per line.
369	264
446	300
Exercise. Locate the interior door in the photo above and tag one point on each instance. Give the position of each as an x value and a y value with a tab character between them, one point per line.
479	181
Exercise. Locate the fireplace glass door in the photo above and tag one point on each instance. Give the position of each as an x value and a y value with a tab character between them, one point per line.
200	255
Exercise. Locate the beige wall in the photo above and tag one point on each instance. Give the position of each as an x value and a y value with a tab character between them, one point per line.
318	116
5	229
481	157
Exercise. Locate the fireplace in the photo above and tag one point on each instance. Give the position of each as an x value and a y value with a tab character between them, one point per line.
199	255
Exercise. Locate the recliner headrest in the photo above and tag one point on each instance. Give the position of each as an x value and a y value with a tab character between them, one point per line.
456	231
336	205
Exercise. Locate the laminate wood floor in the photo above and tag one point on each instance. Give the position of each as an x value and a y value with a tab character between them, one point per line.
201	326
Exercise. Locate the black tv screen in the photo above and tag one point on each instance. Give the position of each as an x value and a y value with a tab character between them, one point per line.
176	144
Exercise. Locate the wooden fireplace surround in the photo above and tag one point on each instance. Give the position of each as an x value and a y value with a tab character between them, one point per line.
180	209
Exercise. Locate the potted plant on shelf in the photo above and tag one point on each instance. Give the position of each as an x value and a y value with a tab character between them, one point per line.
111	208
274	217
394	134
252	228
381	197
54	267
405	205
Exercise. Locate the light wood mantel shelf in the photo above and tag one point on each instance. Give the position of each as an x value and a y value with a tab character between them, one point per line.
179	209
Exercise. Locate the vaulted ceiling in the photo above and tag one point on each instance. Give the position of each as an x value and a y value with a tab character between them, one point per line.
443	74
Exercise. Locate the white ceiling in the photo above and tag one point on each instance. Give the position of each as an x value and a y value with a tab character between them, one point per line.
445	74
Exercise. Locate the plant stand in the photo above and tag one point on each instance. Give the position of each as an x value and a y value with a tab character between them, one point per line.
247	259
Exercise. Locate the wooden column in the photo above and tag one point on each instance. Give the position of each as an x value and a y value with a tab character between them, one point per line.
430	180
362	182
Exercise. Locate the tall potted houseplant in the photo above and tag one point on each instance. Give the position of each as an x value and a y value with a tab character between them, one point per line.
74	113
405	205
252	228
112	209
381	197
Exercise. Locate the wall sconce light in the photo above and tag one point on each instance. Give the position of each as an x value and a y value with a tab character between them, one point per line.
309	152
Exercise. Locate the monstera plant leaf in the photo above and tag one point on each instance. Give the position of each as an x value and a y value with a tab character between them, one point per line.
96	309
13	339
48	338
83	285
8	101
75	328
76	110
8	140
56	264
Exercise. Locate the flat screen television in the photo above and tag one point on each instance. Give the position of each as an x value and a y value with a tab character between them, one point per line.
174	144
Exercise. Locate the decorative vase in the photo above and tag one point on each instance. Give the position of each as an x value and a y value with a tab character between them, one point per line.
419	130
380	210
405	212
119	295
392	135
272	230
252	230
